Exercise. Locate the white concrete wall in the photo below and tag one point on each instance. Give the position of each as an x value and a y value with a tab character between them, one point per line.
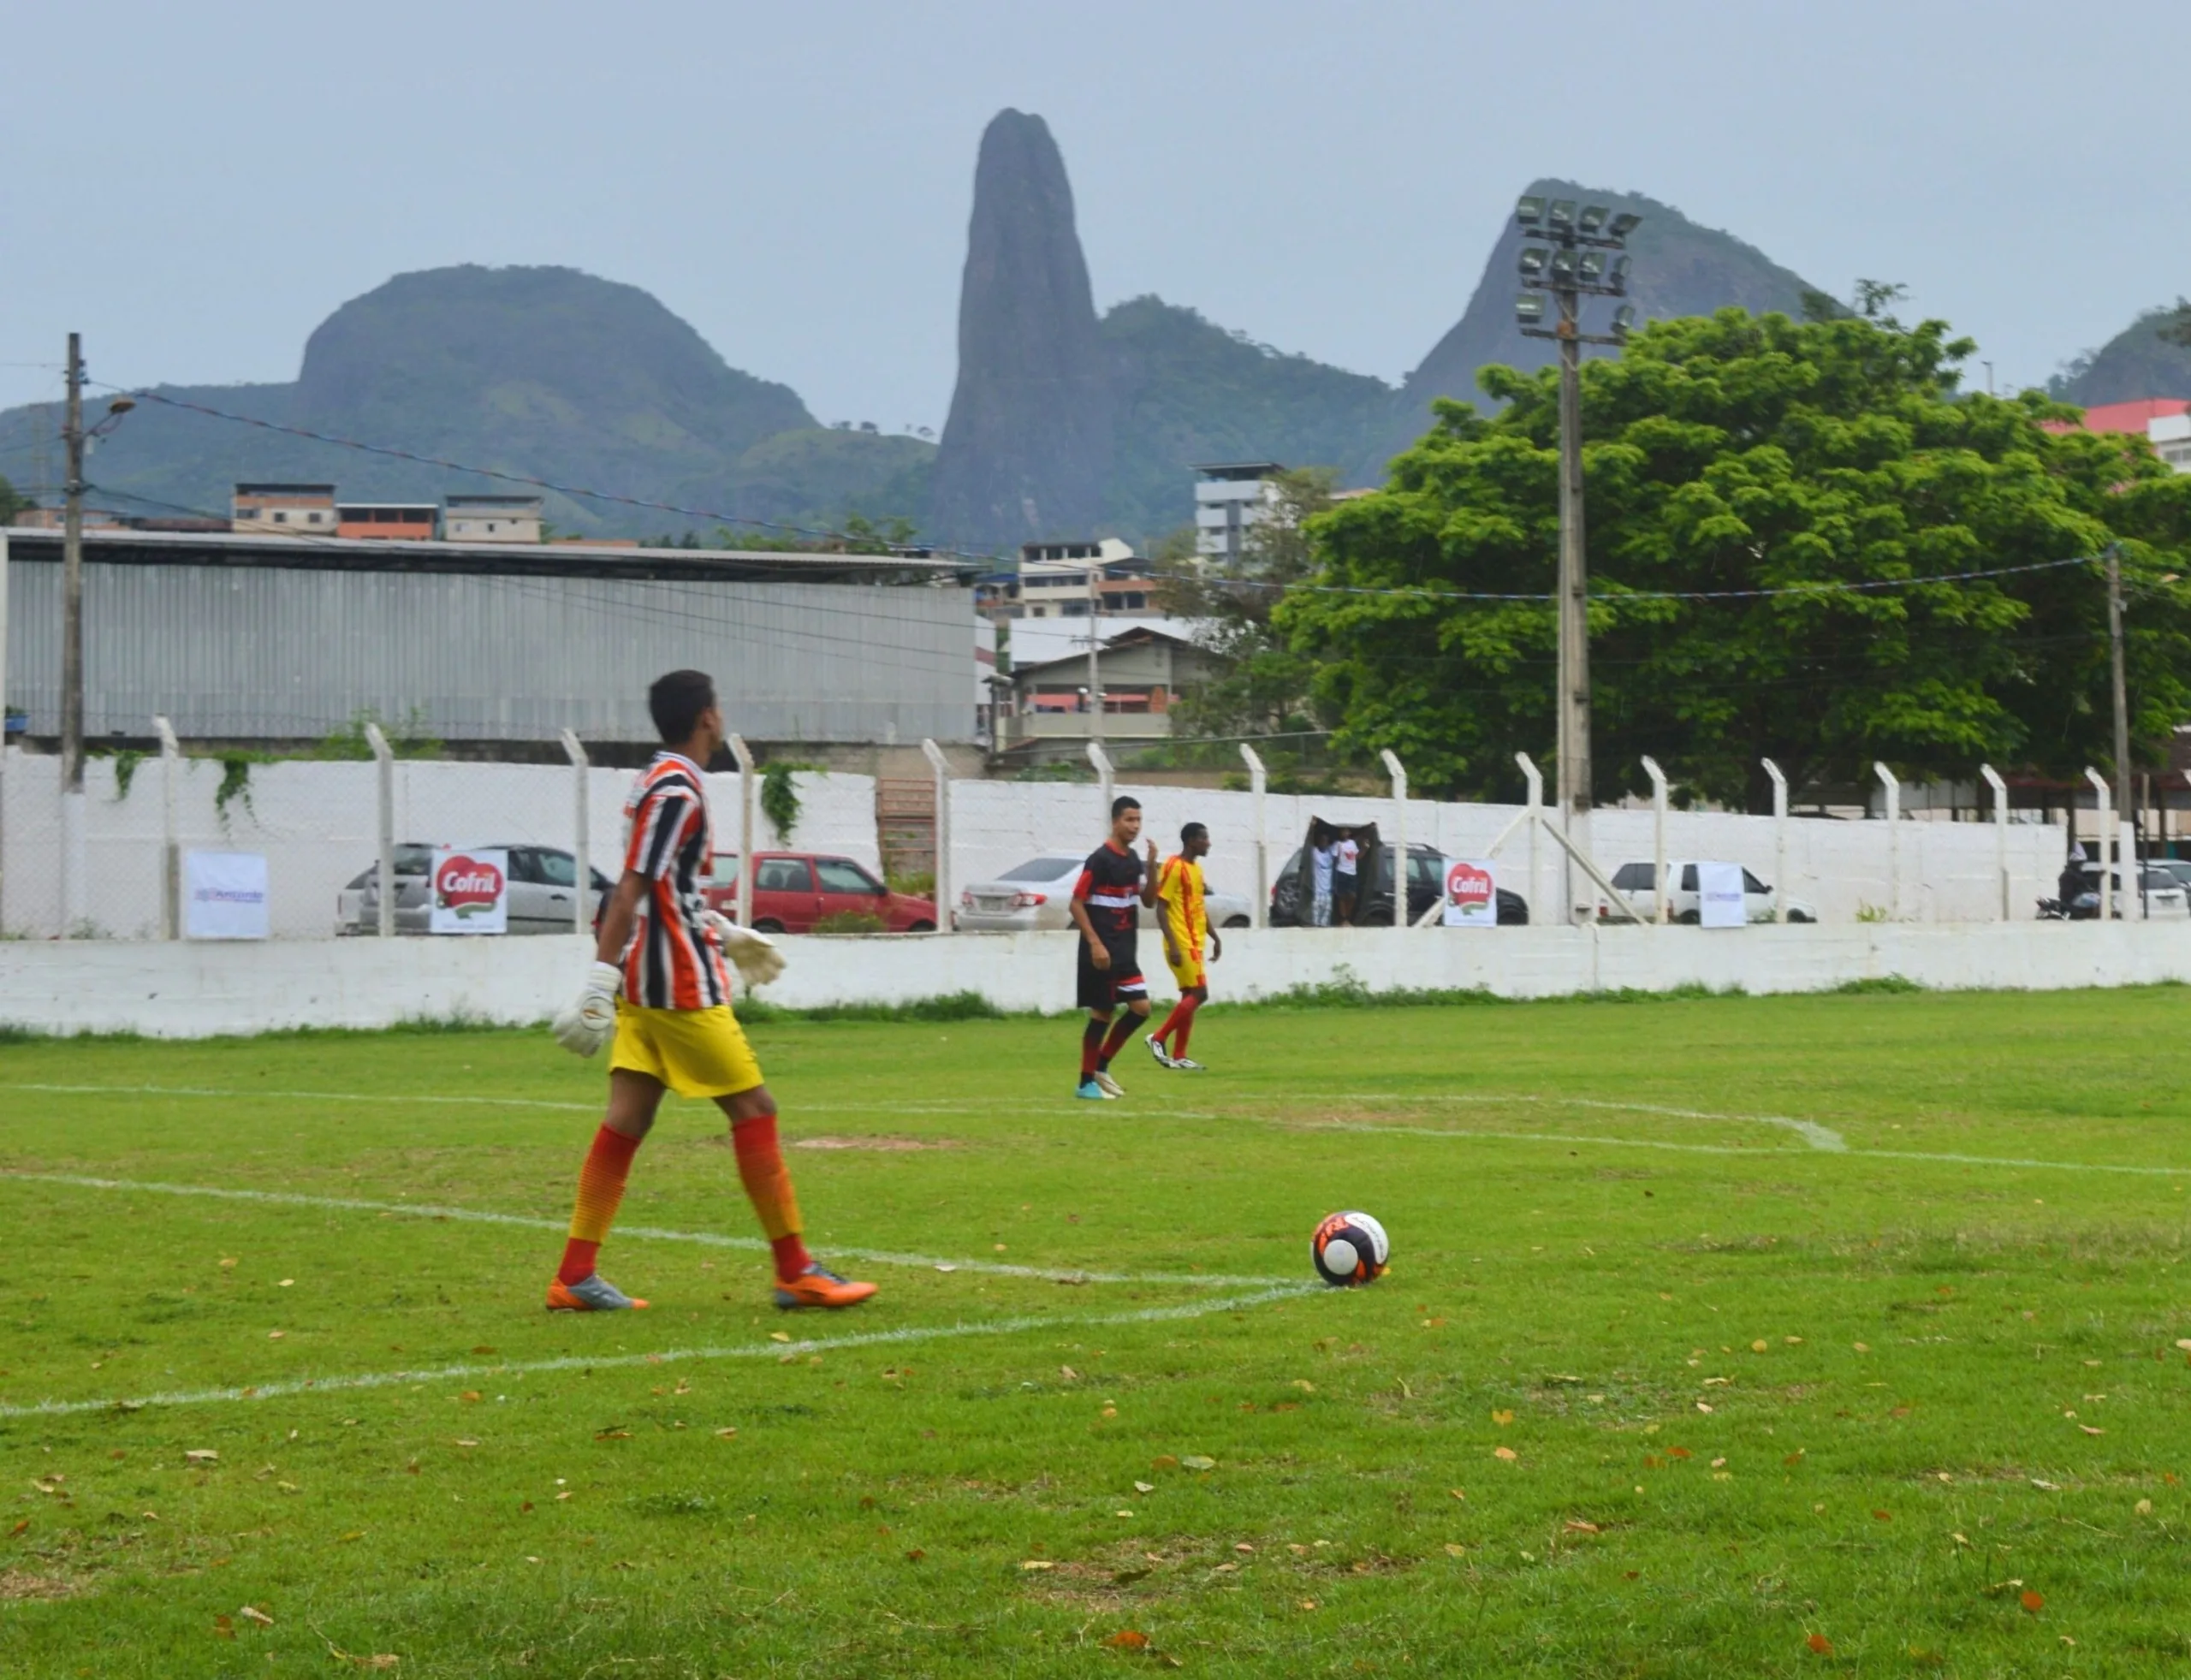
186	990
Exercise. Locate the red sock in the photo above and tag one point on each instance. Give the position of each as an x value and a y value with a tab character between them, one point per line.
1185	1015
768	1186
1114	1040
1092	1046
1176	1020
601	1188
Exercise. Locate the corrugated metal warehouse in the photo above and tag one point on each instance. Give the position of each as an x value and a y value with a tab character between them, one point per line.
243	636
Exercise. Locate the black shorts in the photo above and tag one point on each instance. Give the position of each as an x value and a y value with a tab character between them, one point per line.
1121	983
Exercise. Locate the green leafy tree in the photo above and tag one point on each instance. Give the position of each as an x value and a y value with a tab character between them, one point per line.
12	502
1741	454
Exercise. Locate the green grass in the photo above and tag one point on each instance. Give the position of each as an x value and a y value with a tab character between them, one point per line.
1889	1345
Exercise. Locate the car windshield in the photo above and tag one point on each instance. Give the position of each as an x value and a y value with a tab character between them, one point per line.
1043	869
412	859
1633	877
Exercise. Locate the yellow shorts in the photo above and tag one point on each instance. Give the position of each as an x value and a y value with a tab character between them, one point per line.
694	1052
1189	974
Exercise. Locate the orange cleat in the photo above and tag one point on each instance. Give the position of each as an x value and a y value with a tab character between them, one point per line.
816	1287
595	1294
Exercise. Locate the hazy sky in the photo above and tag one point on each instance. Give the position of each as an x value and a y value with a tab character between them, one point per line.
196	187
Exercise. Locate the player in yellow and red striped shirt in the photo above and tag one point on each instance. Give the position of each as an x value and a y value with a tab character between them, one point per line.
658	983
1182	912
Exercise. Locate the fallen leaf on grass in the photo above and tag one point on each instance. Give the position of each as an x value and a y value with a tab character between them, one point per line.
1244	1547
1502	1418
1703	1407
1033	1564
466	1441
470	1396
1128	1638
252	1613
1164	1462
727	1434
1677	1452
202	1455
1758	1346
1308	1604
1458	1493
1506	1452
224	1626
23	1525
1883	1516
1575	1525
1454	1549
612	1434
2045	1487
2032	1603
1145	1488
915	1555
2092	1429
779	1336
1068	1373
1196	1461
2144	1508
1819	1643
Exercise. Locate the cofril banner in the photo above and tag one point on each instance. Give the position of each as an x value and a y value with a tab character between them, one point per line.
1471	894
470	890
224	895
1720	895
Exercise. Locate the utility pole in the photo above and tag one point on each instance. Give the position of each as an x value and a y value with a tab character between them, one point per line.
1574	264
2123	808
1095	651
74	887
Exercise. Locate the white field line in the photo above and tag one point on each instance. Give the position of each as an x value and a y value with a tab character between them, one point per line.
1003	1326
423	1210
1818	1136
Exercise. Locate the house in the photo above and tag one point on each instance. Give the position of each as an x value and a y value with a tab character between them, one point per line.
1142	666
1054	580
305	510
493	518
385	521
2164	420
1233	497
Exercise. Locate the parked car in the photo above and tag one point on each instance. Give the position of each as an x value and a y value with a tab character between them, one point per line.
793	890
1035	895
1634	882
542	888
1426	886
2166	898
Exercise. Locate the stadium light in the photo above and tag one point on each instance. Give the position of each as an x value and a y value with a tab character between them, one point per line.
1563	267
1560	217
1624	224
1532	263
1529	308
1593	217
1623	320
1529	211
1617	277
1590	268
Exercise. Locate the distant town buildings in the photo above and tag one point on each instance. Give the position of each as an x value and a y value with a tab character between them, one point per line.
305	509
411	521
1232	499
2164	420
1059	581
492	519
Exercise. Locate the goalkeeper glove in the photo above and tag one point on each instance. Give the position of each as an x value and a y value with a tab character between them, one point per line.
755	956
584	1026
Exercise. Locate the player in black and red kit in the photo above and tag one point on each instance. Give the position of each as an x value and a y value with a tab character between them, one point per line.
1106	903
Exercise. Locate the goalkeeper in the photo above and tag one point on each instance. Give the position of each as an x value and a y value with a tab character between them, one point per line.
658	985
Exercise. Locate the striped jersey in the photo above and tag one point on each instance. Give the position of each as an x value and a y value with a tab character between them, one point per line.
1110	886
670	962
1181	903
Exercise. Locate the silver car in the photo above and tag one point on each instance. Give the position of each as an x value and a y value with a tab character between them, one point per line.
543	892
1036	894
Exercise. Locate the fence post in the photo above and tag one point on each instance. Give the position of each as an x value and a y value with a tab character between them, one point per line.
1893	840
1658	837
1259	784
2106	839
1101	761
170	842
1534	778
581	836
1397	771
1779	840
384	799
942	765
2000	832
4	731
743	755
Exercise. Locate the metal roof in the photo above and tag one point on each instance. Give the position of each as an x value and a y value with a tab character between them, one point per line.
302	551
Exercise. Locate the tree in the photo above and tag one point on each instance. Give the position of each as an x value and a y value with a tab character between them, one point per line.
1265	689
1743	453
12	502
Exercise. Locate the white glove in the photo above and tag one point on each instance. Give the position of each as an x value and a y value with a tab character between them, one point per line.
585	1027
755	956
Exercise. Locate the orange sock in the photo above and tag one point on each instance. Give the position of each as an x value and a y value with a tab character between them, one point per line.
601	1188
768	1186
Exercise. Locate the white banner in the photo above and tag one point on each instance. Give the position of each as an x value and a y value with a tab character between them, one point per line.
1720	895
224	895
1471	894
471	891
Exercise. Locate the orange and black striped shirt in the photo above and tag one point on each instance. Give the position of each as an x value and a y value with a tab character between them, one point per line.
670	962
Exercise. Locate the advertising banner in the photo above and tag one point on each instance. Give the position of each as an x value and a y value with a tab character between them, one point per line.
471	891
1471	894
224	895
1720	895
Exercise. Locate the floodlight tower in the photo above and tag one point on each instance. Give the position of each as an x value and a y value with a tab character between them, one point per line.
1583	255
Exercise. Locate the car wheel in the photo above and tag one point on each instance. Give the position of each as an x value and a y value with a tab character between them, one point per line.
1238	922
1798	915
1689	918
922	928
768	925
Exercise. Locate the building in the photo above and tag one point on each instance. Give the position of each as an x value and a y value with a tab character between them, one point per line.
1233	497
2164	420
1141	668
295	509
1053	581
387	521
492	519
257	638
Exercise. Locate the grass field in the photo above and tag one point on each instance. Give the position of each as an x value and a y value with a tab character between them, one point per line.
1758	1336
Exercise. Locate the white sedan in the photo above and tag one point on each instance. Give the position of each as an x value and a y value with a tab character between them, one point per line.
1635	883
1035	895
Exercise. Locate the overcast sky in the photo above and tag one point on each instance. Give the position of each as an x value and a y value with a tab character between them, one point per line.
196	187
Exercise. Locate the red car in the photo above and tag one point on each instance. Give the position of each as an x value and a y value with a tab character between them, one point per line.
793	890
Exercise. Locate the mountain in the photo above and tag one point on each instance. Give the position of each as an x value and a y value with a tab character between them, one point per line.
1026	449
1187	391
2137	362
1679	268
543	371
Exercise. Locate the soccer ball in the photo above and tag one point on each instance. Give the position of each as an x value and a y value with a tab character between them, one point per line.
1349	1249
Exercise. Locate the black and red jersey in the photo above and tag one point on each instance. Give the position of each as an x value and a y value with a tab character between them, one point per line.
670	962
1110	886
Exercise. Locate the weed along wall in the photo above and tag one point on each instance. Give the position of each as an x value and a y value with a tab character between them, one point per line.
188	990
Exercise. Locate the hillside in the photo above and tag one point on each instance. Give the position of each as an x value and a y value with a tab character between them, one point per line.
545	371
1680	268
2137	362
1189	391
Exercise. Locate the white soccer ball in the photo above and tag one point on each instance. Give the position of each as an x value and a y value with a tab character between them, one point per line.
1349	1249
